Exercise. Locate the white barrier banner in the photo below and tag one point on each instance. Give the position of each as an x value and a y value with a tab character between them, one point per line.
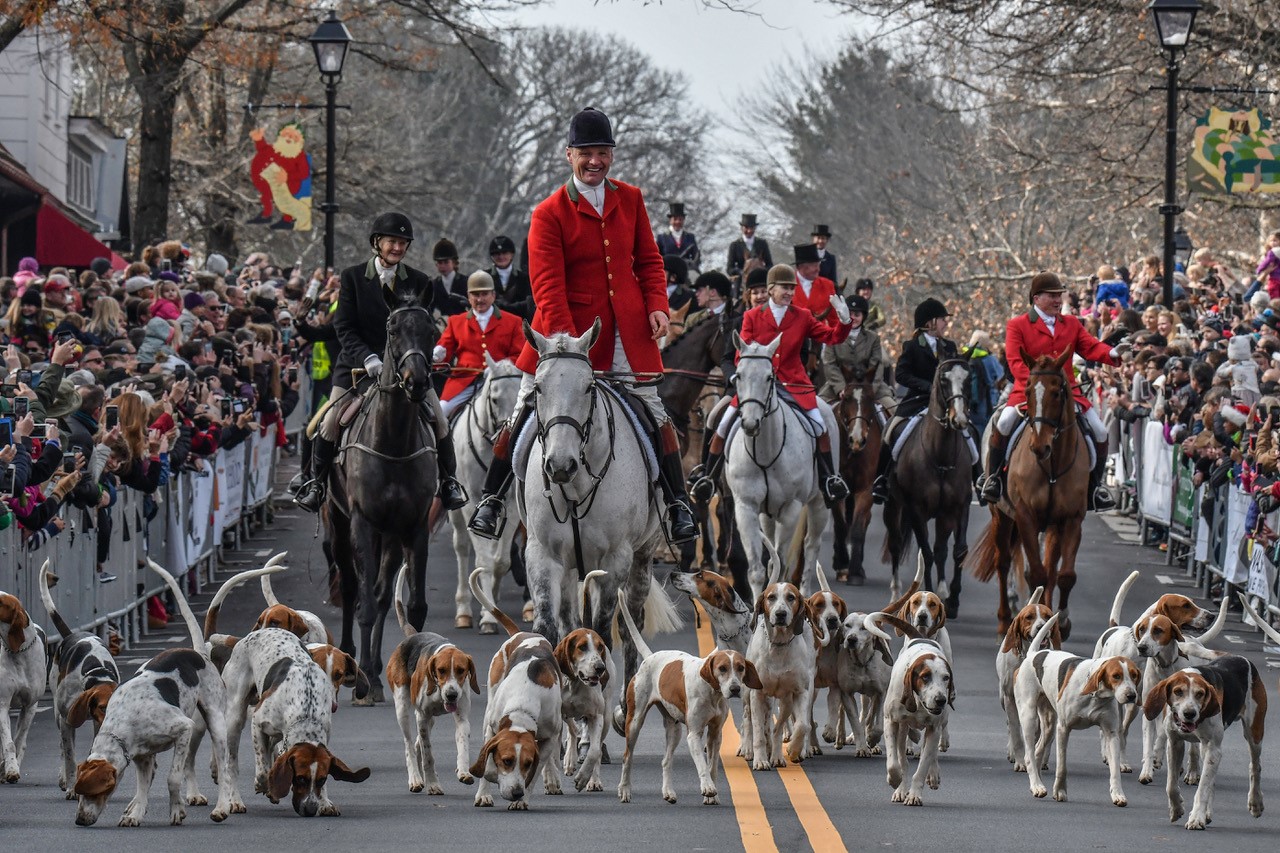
1157	475
230	466
259	469
1202	528
1233	571
196	530
176	540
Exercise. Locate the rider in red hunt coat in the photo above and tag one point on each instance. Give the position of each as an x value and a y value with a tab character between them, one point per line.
780	316
1045	330
592	255
467	337
813	292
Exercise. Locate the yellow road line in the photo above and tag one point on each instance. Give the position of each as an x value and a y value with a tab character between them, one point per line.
823	835
753	824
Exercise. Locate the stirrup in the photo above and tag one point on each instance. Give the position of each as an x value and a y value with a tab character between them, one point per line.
311	496
834	488
990	489
1101	500
499	521
703	489
452	494
880	489
699	472
674	507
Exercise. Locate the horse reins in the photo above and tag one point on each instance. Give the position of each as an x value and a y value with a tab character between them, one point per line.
579	508
1058	429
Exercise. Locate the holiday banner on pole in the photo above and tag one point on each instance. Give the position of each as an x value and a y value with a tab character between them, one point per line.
281	174
1234	152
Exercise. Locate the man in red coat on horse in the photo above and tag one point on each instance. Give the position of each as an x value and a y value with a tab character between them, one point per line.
1045	330
468	337
592	255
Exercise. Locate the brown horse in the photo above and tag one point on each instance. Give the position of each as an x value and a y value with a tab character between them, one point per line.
860	438
1047	491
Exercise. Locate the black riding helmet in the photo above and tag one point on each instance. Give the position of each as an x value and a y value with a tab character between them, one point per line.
391	224
930	309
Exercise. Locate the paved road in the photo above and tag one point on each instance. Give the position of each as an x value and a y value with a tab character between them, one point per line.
829	803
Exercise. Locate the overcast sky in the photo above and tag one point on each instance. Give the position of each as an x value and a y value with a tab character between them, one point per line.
724	53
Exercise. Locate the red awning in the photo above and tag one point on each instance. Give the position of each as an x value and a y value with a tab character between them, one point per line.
62	242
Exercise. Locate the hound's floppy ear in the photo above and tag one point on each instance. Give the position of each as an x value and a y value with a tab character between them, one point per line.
340	771
708	672
951	688
1157	699
909	690
1055	637
423	679
1177	632
19	621
281	778
1013	637
1095	681
490	745
758	612
90	703
802	613
471	675
1213	703
359	679
563	657
751	677
885	655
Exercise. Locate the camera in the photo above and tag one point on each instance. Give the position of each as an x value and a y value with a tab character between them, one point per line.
229	358
225	407
68	463
179	372
21	406
293	374
166	265
40	431
24	377
64	337
9	480
6	432
239	404
112	418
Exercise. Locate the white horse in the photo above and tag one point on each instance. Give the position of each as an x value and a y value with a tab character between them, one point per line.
473	433
587	501
769	466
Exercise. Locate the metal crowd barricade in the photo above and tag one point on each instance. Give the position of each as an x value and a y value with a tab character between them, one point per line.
192	513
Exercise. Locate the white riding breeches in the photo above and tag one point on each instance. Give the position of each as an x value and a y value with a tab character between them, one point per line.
647	393
726	420
1010	416
453	403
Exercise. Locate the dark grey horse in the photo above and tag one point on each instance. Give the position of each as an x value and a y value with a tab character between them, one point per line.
381	490
932	482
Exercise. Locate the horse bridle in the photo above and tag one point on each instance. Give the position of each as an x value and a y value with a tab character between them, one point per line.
857	414
579	508
1058	429
405	356
770	401
945	402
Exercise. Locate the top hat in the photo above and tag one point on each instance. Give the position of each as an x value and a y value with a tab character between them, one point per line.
590	128
821	231
807	254
748	220
676	208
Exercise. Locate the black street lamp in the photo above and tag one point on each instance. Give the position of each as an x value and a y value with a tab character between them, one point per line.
1173	21
330	42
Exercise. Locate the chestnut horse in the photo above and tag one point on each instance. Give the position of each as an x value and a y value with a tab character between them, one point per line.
860	435
1047	491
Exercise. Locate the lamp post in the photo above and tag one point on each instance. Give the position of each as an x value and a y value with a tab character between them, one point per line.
1173	21
330	42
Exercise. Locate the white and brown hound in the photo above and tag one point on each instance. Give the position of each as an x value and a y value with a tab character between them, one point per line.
87	677
921	692
828	611
523	718
689	691
1013	651
783	649
23	675
429	677
173	699
1199	704
291	720
304	623
219	646
1070	692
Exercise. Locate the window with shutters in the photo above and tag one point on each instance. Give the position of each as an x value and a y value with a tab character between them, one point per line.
79	180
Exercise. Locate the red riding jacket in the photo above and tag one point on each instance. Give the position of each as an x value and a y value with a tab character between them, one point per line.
759	327
1027	333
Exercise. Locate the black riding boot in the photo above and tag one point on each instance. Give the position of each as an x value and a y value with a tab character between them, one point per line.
991	488
451	493
304	465
671	478
833	485
880	487
311	496
488	519
702	480
1100	499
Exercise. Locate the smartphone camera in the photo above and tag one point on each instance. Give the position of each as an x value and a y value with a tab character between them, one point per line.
40	431
6	432
64	337
239	405
9	480
24	377
68	463
113	417
225	404
21	406
179	372
293	375
166	265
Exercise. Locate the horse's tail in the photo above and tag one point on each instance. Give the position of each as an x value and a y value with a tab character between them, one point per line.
193	626
215	606
982	560
636	638
267	592
487	603
401	616
1117	603
795	551
660	614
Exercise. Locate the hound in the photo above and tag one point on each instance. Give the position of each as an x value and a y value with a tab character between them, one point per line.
23	675
687	690
924	611
429	677
921	690
1013	651
290	727
304	623
783	650
1199	703
522	720
588	669
1069	693
219	646
170	702
87	677
828	611
863	665
342	669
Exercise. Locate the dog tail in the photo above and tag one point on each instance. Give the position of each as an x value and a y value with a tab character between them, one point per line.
1215	629
47	597
1038	640
776	568
872	622
895	606
822	577
641	646
1121	594
401	616
487	603
267	592
1257	620
211	615
1036	595
193	626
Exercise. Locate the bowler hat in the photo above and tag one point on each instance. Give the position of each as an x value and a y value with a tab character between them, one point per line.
748	220
821	231
716	280
930	309
501	243
781	274
758	277
807	253
479	282
1046	282
676	208
590	128
444	250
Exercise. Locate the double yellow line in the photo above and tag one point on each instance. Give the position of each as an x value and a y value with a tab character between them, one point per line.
753	823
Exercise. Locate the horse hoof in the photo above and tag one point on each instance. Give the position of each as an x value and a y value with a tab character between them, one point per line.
462	620
1064	627
842	576
528	613
364	702
953	609
488	628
